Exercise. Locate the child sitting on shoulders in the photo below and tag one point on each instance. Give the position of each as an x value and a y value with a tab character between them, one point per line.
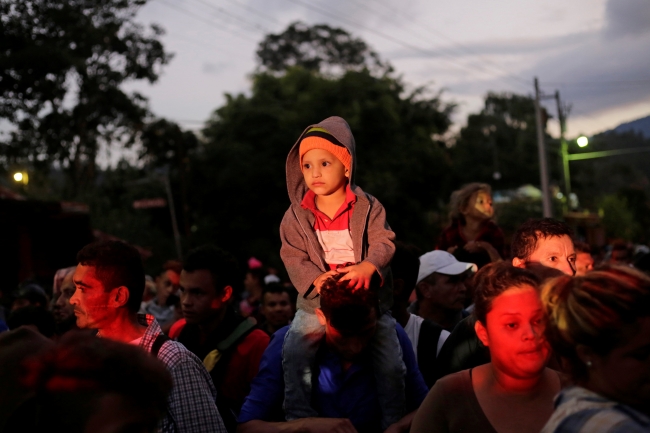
333	227
473	236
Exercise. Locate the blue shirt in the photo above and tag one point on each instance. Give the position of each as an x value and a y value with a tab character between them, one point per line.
338	394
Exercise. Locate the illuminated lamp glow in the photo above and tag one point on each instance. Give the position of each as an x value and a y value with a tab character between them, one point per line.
18	177
583	141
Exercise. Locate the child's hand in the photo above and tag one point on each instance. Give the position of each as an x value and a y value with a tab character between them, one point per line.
358	275
318	282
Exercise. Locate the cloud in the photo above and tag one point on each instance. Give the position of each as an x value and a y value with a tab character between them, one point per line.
214	68
627	17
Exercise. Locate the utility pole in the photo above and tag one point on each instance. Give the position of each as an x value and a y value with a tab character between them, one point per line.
172	213
541	145
562	113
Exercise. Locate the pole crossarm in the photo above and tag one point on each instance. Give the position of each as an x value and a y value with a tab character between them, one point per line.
604	153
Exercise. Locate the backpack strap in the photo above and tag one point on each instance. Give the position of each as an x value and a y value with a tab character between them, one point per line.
158	343
240	331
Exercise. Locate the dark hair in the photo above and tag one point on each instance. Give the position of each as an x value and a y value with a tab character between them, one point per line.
258	274
280	288
524	241
117	264
494	279
348	310
221	264
81	369
594	310
33	315
405	266
461	197
175	266
33	293
581	247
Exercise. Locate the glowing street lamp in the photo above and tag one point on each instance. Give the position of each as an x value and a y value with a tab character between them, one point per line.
21	177
582	141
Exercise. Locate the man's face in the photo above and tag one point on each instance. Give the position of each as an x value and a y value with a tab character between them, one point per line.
61	307
200	301
91	303
350	346
445	291
324	174
277	309
555	252
166	284
584	263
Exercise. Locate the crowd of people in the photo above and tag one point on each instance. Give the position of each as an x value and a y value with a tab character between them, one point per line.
368	334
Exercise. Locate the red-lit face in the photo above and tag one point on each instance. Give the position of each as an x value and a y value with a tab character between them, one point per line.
624	373
350	346
199	299
62	310
92	304
584	263
277	309
166	284
323	172
514	333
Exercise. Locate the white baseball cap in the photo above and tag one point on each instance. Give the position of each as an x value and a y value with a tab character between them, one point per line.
441	262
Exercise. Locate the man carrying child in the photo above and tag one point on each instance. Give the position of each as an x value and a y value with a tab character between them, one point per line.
333	227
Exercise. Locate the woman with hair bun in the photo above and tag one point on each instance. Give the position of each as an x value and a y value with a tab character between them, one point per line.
599	324
514	392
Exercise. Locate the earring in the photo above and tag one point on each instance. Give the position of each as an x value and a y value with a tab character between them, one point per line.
589	364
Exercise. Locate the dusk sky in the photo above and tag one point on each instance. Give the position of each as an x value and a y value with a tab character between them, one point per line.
596	52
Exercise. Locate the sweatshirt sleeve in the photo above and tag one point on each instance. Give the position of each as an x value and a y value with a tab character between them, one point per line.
295	255
381	239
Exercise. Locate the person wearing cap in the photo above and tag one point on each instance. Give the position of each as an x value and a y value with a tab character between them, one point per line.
440	288
333	227
29	295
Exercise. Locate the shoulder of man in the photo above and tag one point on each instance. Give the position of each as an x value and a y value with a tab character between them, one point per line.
172	354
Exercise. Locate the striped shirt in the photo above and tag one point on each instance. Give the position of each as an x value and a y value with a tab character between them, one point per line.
579	410
191	406
334	234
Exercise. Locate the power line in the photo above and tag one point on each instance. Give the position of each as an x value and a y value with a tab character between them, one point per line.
379	33
200	18
613	83
448	51
252	26
255	11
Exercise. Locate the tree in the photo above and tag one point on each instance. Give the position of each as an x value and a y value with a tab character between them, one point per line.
165	144
241	167
61	68
499	145
319	48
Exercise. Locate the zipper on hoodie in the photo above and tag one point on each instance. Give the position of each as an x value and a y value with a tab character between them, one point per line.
364	248
309	239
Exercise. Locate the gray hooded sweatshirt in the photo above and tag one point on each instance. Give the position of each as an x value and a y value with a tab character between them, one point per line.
302	254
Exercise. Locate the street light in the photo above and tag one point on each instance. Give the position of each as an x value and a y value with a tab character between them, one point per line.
21	177
582	141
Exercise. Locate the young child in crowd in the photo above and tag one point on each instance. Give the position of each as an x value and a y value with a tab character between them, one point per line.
332	227
473	236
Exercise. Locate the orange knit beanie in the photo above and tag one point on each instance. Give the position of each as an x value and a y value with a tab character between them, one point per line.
318	138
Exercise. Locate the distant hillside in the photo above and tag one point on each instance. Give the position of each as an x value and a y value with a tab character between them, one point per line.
640	125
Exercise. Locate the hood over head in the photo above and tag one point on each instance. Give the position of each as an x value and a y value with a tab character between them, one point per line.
339	129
